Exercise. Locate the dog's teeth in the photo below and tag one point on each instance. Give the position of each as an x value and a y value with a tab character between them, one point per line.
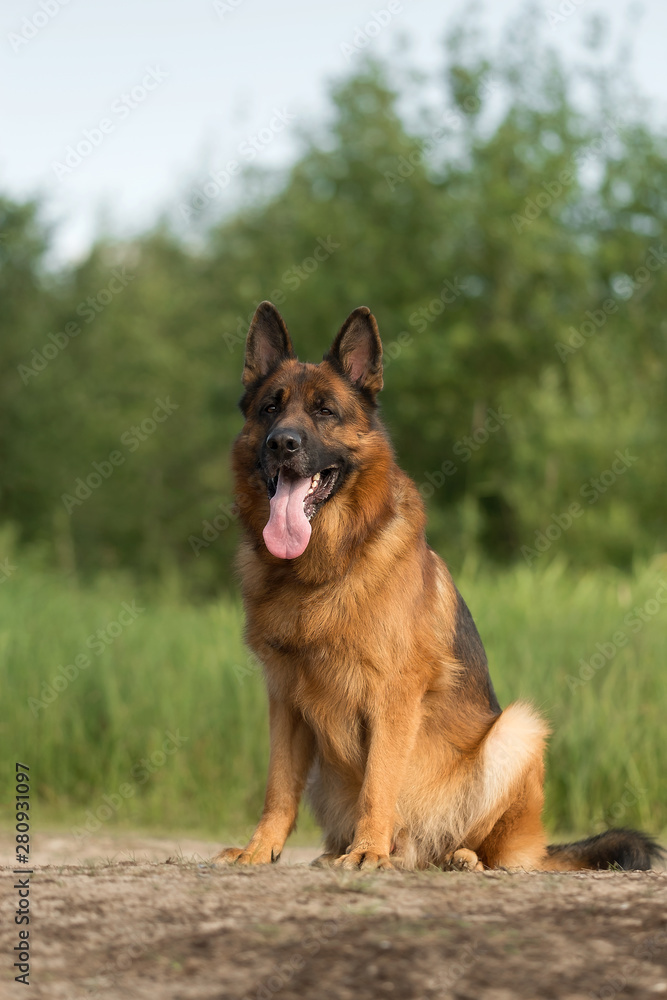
316	478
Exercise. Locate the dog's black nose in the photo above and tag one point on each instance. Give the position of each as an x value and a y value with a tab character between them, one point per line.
284	442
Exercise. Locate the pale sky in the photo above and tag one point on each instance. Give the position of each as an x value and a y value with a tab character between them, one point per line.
155	93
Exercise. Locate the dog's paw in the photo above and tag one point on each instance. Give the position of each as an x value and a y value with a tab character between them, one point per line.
324	861
363	859
245	856
464	860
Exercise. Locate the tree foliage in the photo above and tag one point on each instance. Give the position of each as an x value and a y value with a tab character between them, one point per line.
509	240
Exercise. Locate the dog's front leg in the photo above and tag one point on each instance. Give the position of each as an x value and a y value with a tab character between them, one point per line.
292	748
393	731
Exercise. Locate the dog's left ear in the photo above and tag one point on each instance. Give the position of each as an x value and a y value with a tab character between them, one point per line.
358	350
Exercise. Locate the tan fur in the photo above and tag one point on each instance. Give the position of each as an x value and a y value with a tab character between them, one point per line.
407	762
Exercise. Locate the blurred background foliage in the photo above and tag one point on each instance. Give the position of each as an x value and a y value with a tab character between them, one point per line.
486	225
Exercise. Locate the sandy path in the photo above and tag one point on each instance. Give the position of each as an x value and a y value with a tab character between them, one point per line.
117	921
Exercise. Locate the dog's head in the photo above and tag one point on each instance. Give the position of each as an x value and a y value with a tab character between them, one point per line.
311	431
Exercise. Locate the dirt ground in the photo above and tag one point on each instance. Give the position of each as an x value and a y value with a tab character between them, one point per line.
136	917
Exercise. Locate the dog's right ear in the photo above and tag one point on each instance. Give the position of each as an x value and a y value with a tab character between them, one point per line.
268	343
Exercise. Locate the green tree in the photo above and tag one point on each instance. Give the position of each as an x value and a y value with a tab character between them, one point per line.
509	240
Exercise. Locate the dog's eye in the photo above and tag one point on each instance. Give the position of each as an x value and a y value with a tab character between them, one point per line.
324	411
270	408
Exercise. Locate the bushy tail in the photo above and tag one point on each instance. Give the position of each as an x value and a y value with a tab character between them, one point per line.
629	850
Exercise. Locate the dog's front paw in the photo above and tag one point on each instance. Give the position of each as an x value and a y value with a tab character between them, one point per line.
363	858
250	855
227	856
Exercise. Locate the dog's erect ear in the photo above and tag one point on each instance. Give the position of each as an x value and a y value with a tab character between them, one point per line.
358	350
268	343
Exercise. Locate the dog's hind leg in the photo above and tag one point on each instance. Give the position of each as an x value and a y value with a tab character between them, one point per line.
518	839
505	826
464	860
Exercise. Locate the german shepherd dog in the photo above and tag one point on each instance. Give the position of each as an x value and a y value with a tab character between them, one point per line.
380	702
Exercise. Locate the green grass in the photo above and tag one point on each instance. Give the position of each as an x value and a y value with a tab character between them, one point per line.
183	669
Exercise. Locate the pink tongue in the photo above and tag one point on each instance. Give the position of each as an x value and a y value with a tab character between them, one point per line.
288	531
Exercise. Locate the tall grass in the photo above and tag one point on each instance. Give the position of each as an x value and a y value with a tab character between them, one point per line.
182	669
589	651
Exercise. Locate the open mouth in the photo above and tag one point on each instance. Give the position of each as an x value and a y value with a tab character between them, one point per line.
320	489
294	501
